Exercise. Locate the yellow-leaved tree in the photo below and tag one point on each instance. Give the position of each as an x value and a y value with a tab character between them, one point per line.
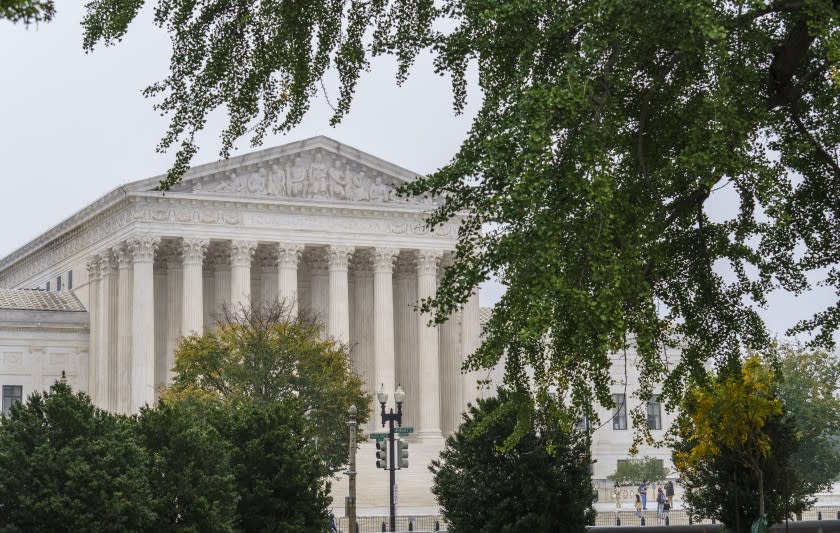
729	415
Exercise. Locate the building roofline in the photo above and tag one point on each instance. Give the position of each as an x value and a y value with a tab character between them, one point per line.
145	185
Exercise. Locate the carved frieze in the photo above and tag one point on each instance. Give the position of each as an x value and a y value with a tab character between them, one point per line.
316	175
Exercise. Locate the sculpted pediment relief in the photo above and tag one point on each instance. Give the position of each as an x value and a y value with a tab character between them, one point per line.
315	174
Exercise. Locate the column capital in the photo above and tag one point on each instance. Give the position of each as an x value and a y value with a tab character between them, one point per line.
193	250
428	261
383	259
93	268
122	253
218	259
339	256
107	263
241	252
143	247
316	259
174	261
289	254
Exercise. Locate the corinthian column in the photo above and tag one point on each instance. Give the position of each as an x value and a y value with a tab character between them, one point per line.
109	330
95	306
221	283
383	318
174	281
470	339
240	273
143	322
450	367
319	288
288	257
192	295
124	324
339	295
427	262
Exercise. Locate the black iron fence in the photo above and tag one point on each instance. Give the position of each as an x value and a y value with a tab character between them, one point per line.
677	517
372	524
682	518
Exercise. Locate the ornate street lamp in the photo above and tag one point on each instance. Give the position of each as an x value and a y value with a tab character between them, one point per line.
351	471
391	417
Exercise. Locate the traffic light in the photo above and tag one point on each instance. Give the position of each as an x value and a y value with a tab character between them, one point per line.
382	454
402	454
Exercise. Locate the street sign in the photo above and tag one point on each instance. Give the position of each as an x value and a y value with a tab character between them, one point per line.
378	436
404	430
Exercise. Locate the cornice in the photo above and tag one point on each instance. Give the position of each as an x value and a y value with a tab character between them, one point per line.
142	188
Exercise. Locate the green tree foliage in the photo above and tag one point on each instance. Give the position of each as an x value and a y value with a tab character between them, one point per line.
736	446
264	355
809	387
634	471
604	131
485	482
723	489
280	477
27	11
67	466
190	472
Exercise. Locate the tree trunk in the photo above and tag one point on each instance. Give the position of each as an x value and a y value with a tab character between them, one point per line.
760	492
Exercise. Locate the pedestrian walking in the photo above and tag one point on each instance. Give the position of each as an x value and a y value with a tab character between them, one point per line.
660	503
331	525
617	496
643	488
669	492
638	506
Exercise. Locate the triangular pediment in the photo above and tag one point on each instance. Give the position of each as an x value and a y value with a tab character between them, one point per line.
318	169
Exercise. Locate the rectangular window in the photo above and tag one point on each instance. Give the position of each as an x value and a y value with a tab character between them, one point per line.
69	280
58	283
584	424
11	394
620	413
654	413
48	286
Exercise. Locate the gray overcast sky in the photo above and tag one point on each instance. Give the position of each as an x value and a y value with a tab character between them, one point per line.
75	126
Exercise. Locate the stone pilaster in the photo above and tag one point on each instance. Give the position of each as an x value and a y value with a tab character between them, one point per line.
161	321
221	282
405	330
450	366
288	258
268	278
339	296
174	282
192	295
470	340
94	312
124	328
319	287
241	253
142	250
383	319
361	324
427	340
109	331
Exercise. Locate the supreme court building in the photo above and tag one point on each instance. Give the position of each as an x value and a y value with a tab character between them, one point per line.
105	295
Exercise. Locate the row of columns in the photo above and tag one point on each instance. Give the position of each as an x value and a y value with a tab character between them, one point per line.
123	309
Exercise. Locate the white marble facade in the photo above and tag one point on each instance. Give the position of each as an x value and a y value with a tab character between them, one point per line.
315	223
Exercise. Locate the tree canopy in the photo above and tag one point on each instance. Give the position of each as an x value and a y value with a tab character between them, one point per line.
634	471
485	483
265	355
606	132
66	465
27	11
808	390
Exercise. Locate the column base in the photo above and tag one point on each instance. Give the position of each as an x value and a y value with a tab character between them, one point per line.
431	437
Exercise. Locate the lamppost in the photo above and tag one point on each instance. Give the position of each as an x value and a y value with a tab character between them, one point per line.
390	418
351	472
